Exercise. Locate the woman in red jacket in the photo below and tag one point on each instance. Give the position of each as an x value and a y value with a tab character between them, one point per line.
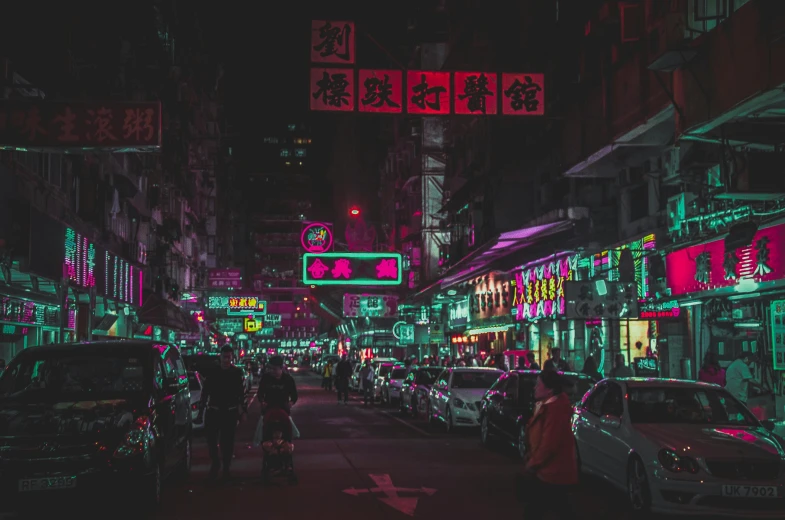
551	465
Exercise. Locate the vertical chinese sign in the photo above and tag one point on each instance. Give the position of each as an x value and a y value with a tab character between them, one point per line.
427	93
42	124
380	91
332	42
332	89
475	93
523	94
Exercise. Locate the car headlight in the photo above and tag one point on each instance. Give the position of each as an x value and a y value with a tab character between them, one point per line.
459	403
676	463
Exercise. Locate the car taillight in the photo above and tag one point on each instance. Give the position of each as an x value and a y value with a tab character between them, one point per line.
136	440
195	406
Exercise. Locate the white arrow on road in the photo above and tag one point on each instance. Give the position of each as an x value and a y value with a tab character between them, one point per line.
384	484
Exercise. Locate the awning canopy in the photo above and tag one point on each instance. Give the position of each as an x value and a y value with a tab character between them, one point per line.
163	313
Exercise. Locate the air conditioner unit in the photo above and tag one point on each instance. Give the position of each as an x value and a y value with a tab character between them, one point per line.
677	210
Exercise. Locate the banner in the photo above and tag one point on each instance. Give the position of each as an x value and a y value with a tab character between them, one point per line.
369	269
370	306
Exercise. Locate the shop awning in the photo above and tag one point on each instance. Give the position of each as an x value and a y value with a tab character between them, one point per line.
163	313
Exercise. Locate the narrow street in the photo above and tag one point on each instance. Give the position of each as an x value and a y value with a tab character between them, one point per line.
348	459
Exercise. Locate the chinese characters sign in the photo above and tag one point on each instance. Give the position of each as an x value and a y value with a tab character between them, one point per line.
659	310
709	266
43	124
123	282
316	237
238	305
332	42
539	290
491	297
332	90
427	92
600	299
370	306
778	333
79	261
458	314
371	269
607	262
225	278
380	91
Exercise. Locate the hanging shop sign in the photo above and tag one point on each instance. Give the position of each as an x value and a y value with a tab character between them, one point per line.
659	310
539	288
225	278
436	333
606	263
40	124
316	237
458	314
711	266
272	320
368	269
336	86
646	367
230	325
490	297
295	343
238	305
266	332
122	281
600	300
252	325
406	334
370	306
16	310
79	260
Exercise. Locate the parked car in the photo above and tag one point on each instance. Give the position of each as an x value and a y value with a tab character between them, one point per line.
681	447
118	419
354	382
416	388
508	405
195	384
392	384
382	371
456	396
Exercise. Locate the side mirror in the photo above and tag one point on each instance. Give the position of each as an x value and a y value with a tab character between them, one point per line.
768	424
611	421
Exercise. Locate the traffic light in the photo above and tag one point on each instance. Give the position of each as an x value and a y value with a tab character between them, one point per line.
355	211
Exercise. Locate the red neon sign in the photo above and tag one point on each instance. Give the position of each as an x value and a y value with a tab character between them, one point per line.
380	91
476	93
427	92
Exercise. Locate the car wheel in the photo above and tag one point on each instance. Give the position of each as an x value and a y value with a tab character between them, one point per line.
448	421
485	431
638	490
522	442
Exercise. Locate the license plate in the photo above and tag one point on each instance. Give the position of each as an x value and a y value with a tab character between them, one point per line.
750	491
47	484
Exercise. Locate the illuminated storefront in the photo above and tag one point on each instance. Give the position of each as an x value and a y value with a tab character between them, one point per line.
733	298
538	306
490	314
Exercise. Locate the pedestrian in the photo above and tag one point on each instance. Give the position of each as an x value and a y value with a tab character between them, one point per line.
343	371
551	468
738	377
711	371
327	380
620	368
222	397
591	370
532	360
556	362
367	380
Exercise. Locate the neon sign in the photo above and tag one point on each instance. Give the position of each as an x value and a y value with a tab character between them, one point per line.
608	261
369	269
238	305
79	261
658	310
316	237
539	291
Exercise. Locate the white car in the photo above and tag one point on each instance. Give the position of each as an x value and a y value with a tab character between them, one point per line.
195	384
456	396
393	383
681	447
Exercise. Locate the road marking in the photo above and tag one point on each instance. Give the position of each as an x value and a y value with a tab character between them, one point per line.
407	424
384	484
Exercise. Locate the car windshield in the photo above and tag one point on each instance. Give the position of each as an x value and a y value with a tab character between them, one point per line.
474	379
193	382
69	376
384	370
685	405
398	373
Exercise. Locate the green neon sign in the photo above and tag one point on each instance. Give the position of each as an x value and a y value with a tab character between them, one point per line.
367	269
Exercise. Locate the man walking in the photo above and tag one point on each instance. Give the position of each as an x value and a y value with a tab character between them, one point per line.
222	398
367	380
343	371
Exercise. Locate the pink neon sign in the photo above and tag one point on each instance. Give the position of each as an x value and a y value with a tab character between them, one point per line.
317	237
709	266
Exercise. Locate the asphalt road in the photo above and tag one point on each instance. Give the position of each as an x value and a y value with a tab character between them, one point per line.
358	462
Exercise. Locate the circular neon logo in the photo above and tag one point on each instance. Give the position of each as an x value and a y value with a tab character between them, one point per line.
316	238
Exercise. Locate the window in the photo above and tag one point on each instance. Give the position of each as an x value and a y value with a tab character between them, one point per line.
612	404
158	373
474	380
686	405
511	388
594	401
299	152
443	379
284	152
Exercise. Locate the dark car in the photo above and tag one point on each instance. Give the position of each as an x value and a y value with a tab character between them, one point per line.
89	419
509	403
416	387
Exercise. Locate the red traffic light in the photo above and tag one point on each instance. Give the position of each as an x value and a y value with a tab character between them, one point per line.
355	212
